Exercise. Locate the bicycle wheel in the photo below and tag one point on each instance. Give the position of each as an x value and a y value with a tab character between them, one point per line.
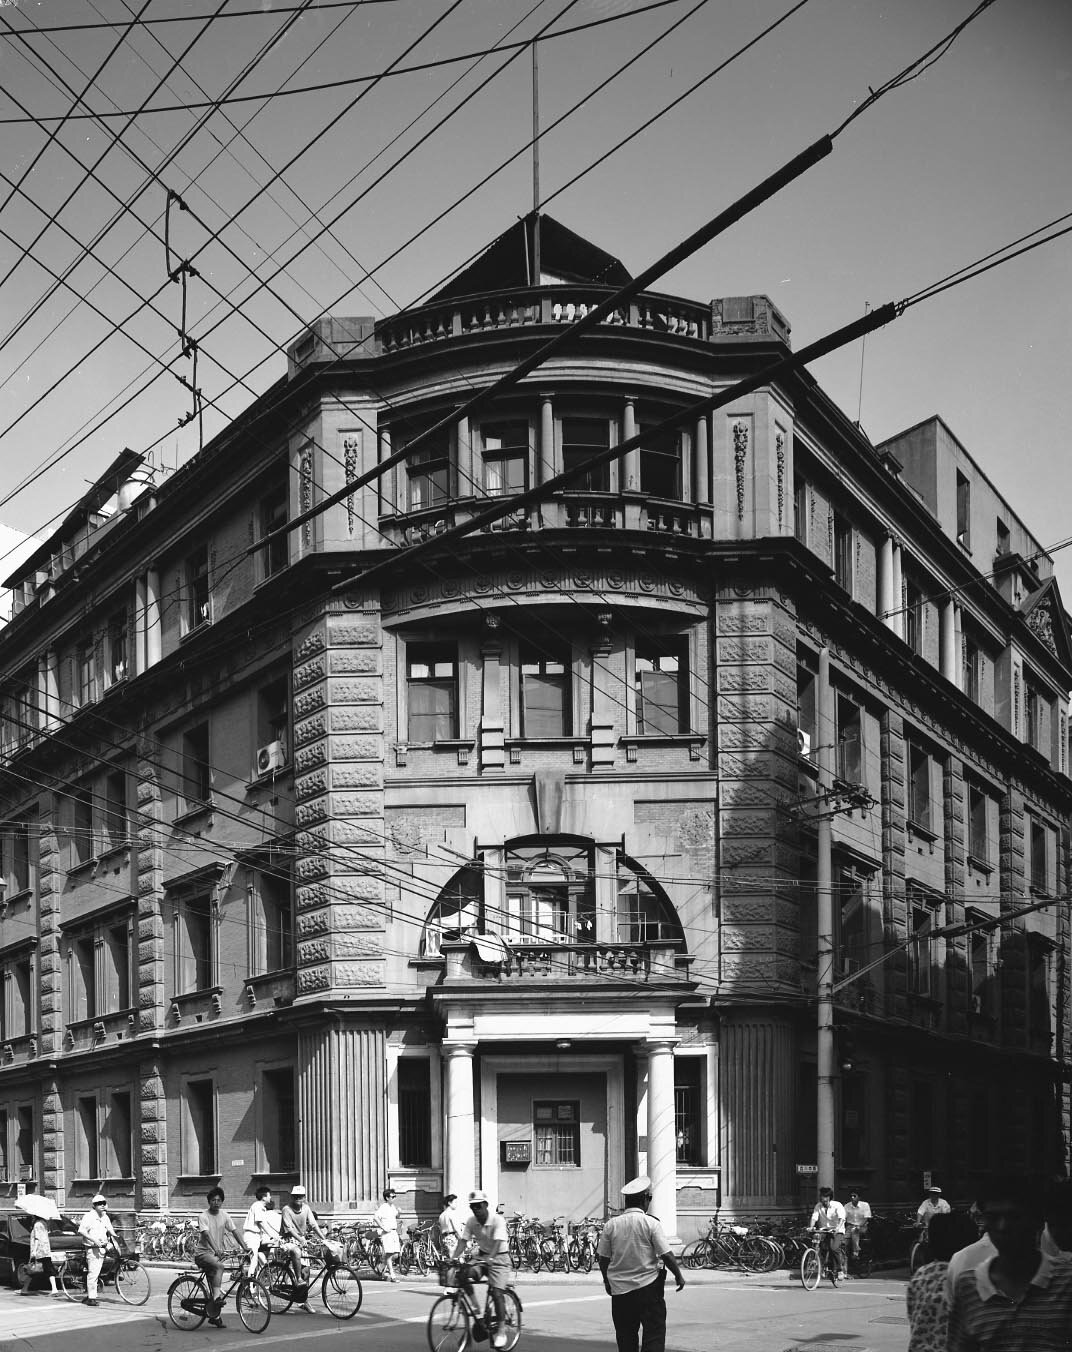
406	1258
918	1256
132	1282
512	1320
377	1261
809	1270
692	1255
573	1256
448	1325
534	1254
72	1277
254	1304
341	1291
279	1280
187	1301
752	1253
516	1256
421	1258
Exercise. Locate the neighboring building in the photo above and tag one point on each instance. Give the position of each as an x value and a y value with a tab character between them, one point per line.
503	873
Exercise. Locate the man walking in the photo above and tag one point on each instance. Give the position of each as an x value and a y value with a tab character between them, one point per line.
96	1229
633	1254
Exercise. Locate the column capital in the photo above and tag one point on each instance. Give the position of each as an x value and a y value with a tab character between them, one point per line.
659	1045
455	1050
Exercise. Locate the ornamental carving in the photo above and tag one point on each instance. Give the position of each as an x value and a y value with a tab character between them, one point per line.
1040	622
305	477
779	452
740	453
351	450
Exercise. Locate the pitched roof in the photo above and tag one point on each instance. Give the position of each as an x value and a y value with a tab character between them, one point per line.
507	263
1045	616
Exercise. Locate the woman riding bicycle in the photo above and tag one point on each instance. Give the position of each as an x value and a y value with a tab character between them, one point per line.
488	1232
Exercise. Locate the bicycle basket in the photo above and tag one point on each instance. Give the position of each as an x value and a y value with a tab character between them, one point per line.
480	1331
445	1273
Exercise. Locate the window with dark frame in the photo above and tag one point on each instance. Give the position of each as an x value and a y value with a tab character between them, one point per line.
86	665
979	959
506	457
120	1136
978	838
660	464
414	1112
919	787
972	659
848	719
196	767
87	1151
279	1120
1004	537
800	509
197	968
850	900
197	588
277	919
24	1142
115	830
273	714
432	692
117	648
200	1153
807	743
963	510
83	978
274	513
1033	702
581	439
689	1109
556	1134
1039	859
117	969
428	473
23	999
83	842
913	615
921	951
19	856
661	685
843	553
545	693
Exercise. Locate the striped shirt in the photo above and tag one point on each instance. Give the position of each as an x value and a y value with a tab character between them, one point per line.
984	1319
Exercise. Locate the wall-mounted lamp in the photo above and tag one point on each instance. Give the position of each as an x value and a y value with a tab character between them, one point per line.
564	1045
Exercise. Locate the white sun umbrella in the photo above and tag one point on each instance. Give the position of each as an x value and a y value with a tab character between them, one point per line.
37	1205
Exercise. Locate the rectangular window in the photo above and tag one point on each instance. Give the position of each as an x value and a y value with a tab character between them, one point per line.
506	457
196	957
963	511
850	744
854	1152
971	659
279	1121
117	648
689	1108
24	1143
919	787
414	1112
978	841
913	615
115	830
83	978
1033	709
197	589
116	969
86	662
921	951
850	900
581	439
22	1012
428	473
273	518
1003	537
660	464
19	856
1039	860
276	920
120	1137
979	956
200	1152
432	691
87	1142
545	693
806	739
196	788
1039	957
83	844
662	688
843	553
800	509
273	723
557	1135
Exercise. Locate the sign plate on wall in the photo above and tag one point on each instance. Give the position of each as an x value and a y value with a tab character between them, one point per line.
807	1168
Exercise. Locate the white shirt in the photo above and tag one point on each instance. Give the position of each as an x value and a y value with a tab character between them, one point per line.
927	1209
856	1213
96	1228
831	1217
634	1242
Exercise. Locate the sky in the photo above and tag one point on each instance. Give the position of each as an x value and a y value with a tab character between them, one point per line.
968	157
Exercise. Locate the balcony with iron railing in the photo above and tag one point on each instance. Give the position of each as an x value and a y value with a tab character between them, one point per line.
461	963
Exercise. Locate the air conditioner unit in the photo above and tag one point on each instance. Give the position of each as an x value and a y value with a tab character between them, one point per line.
804	743
270	757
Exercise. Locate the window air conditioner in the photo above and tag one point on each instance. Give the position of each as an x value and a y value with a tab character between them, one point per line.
804	743
270	757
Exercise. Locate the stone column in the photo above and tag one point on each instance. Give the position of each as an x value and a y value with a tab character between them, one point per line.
153	636
897	618
630	470
460	1154
492	745
662	1142
467	485
549	465
950	667
702	464
342	1113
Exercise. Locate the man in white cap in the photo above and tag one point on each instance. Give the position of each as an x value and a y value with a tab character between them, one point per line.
96	1229
488	1232
934	1204
297	1221
633	1254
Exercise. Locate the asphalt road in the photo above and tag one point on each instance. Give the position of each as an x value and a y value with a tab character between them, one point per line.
715	1313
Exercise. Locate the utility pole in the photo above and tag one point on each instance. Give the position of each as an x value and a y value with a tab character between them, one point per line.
535	165
824	1040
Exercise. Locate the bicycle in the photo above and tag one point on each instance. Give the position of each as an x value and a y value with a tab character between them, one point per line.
121	1270
455	1321
920	1254
418	1250
365	1249
189	1299
340	1286
817	1261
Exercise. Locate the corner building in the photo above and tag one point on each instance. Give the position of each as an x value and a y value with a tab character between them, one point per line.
500	869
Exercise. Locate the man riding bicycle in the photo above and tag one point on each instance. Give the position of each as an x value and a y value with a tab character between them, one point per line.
828	1219
488	1232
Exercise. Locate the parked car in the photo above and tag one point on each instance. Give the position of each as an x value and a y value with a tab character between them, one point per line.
15	1230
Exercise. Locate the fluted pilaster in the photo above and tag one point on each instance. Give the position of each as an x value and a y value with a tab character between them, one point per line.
758	1073
342	1099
